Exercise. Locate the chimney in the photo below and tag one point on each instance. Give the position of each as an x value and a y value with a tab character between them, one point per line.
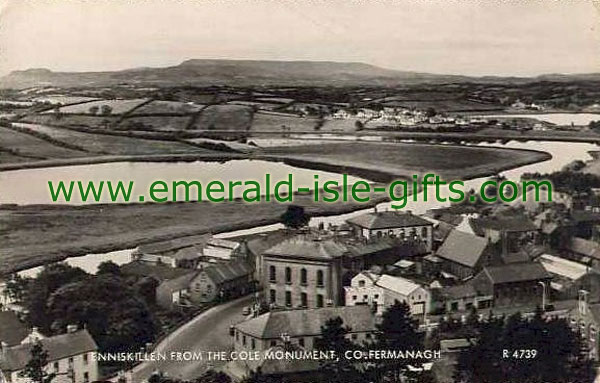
583	302
72	328
3	350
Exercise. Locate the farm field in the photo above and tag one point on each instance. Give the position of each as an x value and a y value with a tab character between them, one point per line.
258	105
29	146
117	106
65	100
445	105
110	144
408	159
268	121
89	121
163	123
224	117
168	107
348	125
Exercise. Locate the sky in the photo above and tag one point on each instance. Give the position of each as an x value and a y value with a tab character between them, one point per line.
472	37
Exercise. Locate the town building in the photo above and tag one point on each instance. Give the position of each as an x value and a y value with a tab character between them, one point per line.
222	281
403	225
70	357
585	320
515	284
12	330
303	271
178	252
511	230
300	328
381	291
462	254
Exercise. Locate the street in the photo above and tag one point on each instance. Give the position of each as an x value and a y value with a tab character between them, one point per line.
208	331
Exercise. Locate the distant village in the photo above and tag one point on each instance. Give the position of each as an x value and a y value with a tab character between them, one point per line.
448	263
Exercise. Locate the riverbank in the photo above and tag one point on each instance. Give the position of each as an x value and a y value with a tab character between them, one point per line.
34	235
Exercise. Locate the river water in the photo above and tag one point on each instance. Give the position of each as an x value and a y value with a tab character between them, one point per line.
562	154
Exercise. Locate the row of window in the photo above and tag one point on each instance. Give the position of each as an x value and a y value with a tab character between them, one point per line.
303	298
411	233
303	276
273	342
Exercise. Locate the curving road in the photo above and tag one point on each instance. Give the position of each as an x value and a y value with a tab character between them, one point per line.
208	331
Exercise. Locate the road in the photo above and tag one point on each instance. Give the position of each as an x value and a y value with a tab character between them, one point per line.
208	331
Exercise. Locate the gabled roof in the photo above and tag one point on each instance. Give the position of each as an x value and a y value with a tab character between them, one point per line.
58	347
398	285
584	247
224	272
563	267
463	248
297	323
224	243
263	242
516	272
508	223
158	272
12	330
304	247
388	220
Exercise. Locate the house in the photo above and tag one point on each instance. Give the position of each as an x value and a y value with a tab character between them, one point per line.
403	225
178	252
222	281
299	327
512	230
525	283
583	251
173	293
254	248
462	297
386	251
381	291
220	249
587	223
303	271
12	330
70	356
464	254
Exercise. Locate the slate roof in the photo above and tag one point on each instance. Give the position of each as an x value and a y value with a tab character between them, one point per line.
12	330
303	246
516	272
158	272
563	267
510	223
464	290
307	322
388	220
224	272
584	247
58	347
263	242
463	248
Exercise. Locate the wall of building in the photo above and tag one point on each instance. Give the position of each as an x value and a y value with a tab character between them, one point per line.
80	366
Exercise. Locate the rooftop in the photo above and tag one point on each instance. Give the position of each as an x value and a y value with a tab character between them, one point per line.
516	272
508	223
388	220
463	248
307	322
12	330
58	347
158	272
397	284
228	271
303	246
584	247
563	267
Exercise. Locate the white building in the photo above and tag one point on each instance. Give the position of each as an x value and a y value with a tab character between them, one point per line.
70	357
220	249
382	291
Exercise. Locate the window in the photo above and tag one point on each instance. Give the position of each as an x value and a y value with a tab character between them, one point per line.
253	343
368	336
424	232
273	343
303	277
319	300
365	297
361	283
376	296
70	362
272	276
85	359
320	278
272	296
304	299
354	336
56	367
86	377
354	297
288	275
244	340
237	336
288	298
301	342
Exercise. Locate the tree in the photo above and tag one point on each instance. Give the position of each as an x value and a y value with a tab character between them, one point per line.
430	112
93	109
295	217
334	338
359	125
397	331
110	309
35	369
108	267
16	287
105	110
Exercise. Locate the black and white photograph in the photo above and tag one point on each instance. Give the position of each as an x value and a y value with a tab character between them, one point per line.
295	191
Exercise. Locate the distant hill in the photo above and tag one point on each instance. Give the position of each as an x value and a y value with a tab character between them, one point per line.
251	72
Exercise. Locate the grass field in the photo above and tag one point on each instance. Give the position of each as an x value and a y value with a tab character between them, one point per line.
117	106
331	124
445	105
173	123
109	144
224	117
29	146
158	107
64	100
264	121
101	122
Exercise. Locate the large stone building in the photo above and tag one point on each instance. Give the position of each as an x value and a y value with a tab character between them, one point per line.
403	225
222	281
70	357
463	255
303	271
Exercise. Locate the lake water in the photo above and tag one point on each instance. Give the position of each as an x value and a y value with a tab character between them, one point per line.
30	186
562	154
555	118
